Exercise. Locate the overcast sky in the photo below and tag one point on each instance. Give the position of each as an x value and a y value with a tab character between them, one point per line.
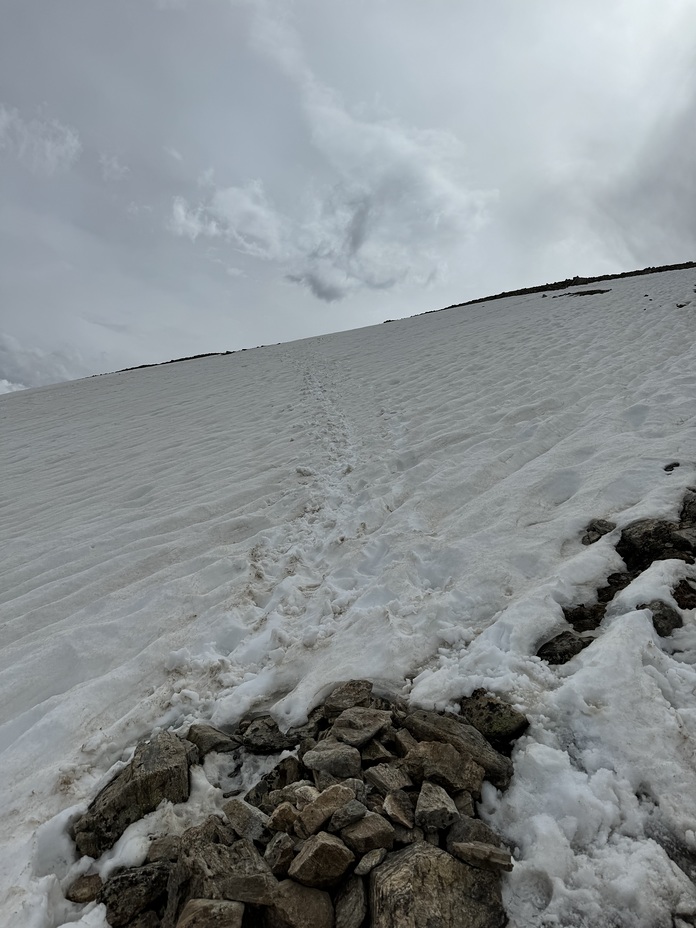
182	176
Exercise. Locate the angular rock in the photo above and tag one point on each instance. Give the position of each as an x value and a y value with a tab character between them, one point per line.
687	516
279	854
159	770
283	818
596	529
286	772
351	812
649	540
303	795
347	695
388	777
375	753
424	886
465	830
358	725
585	618
359	787
322	862
371	860
407	835
435	809
464	802
351	904
208	739
444	765
497	721
246	820
398	806
297	906
334	757
211	913
665	618
562	648
615	583
485	856
262	736
148	919
323	780
398	740
85	889
129	893
429	726
684	595
165	847
314	815
369	833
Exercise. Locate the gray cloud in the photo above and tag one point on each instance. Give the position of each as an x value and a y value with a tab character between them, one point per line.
44	146
22	366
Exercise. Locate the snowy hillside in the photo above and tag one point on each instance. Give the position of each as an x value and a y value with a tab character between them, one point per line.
403	503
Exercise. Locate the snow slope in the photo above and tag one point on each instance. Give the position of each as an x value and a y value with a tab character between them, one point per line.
402	502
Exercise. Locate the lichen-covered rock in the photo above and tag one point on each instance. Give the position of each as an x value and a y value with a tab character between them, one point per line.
435	809
496	719
335	758
357	726
424	886
443	764
562	648
388	777
347	695
159	770
297	906
211	913
322	862
129	893
351	904
369	833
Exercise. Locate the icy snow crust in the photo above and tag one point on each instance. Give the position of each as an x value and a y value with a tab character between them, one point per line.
404	503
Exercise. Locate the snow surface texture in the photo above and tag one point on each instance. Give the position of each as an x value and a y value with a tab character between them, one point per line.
403	502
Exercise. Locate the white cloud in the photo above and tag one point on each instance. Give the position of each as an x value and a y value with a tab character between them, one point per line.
111	168
44	146
173	153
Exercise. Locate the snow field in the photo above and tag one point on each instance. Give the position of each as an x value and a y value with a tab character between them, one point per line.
404	503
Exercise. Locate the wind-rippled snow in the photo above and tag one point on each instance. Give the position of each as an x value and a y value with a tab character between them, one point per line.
403	502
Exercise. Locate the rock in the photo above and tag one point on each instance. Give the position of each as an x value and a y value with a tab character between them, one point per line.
149	919
297	906
288	771
165	847
399	740
334	757
322	861
371	860
246	820
464	802
649	540
129	893
444	765
375	753
388	777
585	618
398	806
211	913
497	721
684	595
303	795
407	835
323	780
351	904
424	886
207	739
314	815
429	726
347	695
562	648
279	854
351	812
434	809
596	529
283	817
159	770
358	786
358	725
85	889
485	856
687	516
615	583
664	617
369	833
262	736
465	830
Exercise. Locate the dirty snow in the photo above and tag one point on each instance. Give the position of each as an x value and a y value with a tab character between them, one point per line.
403	502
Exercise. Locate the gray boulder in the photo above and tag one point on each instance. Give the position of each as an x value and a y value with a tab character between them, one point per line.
369	833
562	648
246	820
665	618
322	862
351	904
485	856
131	892
435	809
207	739
347	695
335	758
444	765
497	721
297	906
85	889
357	726
211	913
279	854
388	777
649	540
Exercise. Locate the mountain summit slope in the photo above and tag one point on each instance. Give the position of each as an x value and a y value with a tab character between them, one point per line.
404	503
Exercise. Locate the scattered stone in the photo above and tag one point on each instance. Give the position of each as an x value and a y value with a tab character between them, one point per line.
334	757
283	817
615	583
85	889
358	725
664	617
371	860
208	739
287	771
262	736
429	726
481	855
649	540
444	765
246	820
435	808
684	595
297	906
585	618
351	904
347	695
159	770
388	777
372	831
279	854
562	648
165	847
351	812
398	806
424	886
596	529
672	465
129	893
497	721
375	753
322	861
211	913
314	815
465	830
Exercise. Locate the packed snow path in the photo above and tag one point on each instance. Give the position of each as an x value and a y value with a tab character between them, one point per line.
403	503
